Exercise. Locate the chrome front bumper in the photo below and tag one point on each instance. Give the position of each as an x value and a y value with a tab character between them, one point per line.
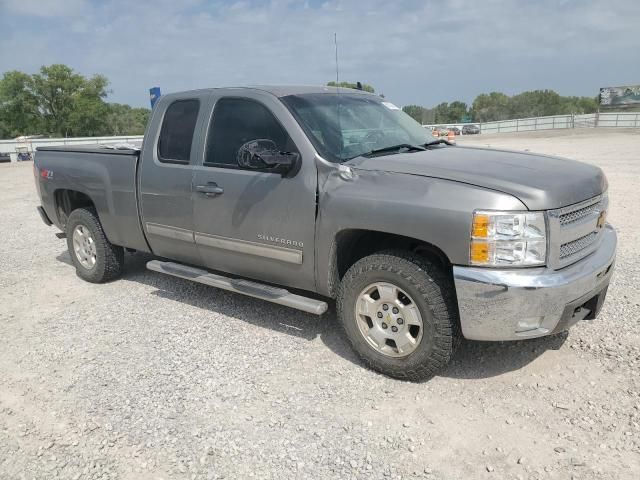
532	302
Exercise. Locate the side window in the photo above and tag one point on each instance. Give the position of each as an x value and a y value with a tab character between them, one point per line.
237	121
176	134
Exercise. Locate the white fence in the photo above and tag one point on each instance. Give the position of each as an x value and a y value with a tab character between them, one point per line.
602	119
28	145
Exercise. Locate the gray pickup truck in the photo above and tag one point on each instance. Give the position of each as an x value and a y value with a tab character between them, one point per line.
298	195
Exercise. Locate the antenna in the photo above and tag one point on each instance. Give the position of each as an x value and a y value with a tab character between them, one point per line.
335	41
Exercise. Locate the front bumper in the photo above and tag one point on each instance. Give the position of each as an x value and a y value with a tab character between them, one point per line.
533	302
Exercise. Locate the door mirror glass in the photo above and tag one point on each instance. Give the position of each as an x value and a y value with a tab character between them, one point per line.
263	153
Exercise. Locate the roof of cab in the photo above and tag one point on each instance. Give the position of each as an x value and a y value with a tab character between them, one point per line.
284	90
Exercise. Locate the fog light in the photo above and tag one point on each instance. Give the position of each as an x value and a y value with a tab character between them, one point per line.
528	324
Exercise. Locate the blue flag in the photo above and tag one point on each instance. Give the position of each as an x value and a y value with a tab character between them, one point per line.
154	95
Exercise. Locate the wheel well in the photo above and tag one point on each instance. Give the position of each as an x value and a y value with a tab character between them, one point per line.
352	245
69	200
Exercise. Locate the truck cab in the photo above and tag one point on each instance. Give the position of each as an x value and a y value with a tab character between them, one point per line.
201	207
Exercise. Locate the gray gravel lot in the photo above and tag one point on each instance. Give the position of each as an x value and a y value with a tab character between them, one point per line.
153	377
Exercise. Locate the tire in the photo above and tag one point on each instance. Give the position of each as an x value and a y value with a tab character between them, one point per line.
424	285
107	260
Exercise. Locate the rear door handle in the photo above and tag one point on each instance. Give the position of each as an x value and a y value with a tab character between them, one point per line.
210	189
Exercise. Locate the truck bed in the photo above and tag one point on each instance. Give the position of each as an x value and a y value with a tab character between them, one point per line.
104	174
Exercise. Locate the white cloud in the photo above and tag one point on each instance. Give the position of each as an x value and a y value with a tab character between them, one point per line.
413	51
44	8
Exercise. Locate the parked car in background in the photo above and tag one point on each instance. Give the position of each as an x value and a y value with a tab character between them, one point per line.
470	130
440	131
5	157
455	130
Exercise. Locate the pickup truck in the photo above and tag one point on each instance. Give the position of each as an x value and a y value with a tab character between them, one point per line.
304	195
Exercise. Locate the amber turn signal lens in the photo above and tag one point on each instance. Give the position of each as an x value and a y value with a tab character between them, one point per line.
479	252
480	227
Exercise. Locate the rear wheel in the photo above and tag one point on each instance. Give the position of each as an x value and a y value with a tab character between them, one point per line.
95	258
399	313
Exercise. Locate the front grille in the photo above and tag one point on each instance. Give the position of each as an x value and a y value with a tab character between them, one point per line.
576	215
576	246
574	231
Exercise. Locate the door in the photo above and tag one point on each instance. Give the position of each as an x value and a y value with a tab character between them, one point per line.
166	174
255	223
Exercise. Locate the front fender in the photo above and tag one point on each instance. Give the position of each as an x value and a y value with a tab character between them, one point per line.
429	209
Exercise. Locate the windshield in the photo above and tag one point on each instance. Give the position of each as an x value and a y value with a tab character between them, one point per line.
345	125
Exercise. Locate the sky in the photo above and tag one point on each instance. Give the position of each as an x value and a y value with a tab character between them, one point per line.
414	51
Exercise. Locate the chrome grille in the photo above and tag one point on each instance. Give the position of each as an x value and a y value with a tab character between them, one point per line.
571	248
576	215
574	231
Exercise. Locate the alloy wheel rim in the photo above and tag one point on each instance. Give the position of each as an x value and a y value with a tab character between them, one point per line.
389	319
84	246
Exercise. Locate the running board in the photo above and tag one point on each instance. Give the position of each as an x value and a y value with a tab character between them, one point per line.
238	285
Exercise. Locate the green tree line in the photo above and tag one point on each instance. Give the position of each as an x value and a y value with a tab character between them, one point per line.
59	102
488	107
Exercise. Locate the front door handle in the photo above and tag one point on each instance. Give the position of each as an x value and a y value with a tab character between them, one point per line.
210	189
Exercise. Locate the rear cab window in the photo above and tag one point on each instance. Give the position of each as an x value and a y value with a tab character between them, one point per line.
177	132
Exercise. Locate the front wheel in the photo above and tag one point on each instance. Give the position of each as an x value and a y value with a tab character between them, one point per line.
95	258
399	313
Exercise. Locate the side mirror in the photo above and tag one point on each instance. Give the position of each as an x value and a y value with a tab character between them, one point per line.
264	154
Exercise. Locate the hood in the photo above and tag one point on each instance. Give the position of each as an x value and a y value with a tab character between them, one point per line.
541	182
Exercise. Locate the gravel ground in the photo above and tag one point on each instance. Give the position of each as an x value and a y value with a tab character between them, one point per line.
153	377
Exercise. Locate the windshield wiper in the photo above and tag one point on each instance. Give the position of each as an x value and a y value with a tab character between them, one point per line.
395	148
438	142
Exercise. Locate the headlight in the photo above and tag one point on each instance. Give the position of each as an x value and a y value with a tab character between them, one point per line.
508	239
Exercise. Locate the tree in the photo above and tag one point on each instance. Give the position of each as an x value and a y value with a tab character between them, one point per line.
441	112
580	105
457	111
490	107
535	103
452	112
124	120
19	114
420	114
365	87
60	102
71	105
493	106
414	111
